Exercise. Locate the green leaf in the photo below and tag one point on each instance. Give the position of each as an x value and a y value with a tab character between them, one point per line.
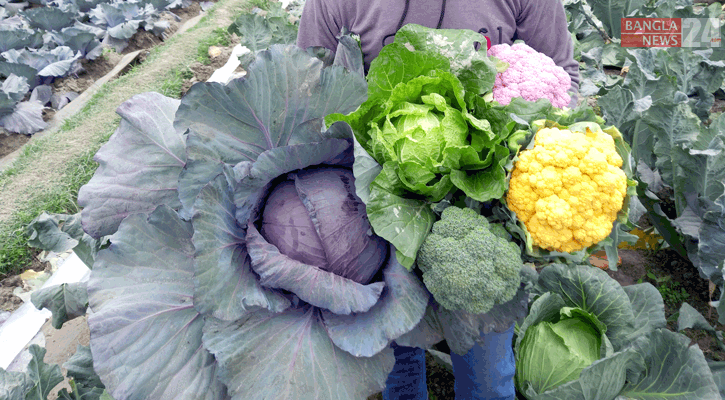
476	71
718	374
14	385
62	232
691	68
603	379
106	396
621	109
404	222
547	360
545	308
648	308
397	64
487	184
43	375
365	169
611	12
66	301
643	81
85	384
672	125
691	318
501	116
254	31
80	368
57	232
669	368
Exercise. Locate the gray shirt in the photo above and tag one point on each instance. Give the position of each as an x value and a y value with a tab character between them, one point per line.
539	23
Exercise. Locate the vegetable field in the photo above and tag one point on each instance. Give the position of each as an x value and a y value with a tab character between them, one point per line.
272	236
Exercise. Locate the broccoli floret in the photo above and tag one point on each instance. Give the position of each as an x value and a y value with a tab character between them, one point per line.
500	231
466	266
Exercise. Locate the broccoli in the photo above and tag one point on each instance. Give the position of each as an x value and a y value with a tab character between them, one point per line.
466	266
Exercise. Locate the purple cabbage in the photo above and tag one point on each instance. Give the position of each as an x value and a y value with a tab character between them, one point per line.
241	261
314	216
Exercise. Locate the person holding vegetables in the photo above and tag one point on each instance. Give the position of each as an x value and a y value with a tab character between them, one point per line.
541	24
487	370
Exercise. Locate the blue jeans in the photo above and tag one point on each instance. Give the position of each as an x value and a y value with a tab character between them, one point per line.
486	372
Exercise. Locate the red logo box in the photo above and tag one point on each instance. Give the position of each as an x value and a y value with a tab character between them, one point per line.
651	32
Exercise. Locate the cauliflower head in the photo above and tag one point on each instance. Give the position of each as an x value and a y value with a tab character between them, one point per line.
568	188
531	75
466	266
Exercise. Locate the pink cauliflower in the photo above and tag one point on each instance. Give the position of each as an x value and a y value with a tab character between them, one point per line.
531	75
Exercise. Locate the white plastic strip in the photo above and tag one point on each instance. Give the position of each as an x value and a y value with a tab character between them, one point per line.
27	320
226	73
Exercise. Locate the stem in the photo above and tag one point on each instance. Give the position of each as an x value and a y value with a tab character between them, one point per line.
589	19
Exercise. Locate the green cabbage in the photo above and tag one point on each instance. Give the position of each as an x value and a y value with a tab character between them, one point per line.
425	126
553	353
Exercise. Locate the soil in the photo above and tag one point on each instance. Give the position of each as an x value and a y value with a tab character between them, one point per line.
9	142
61	344
91	71
8	300
684	284
202	72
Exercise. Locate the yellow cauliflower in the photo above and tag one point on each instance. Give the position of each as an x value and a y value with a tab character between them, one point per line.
568	188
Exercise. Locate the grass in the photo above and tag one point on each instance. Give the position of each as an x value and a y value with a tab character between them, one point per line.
15	255
220	37
172	86
263	4
29	153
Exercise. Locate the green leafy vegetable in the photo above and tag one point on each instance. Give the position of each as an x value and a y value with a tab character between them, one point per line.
614	343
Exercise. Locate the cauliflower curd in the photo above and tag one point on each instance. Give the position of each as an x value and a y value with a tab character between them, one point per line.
531	75
568	189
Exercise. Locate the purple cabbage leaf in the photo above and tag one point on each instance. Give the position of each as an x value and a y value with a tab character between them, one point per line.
254	353
19	39
138	167
49	63
13	89
236	213
282	105
225	285
78	39
19	116
60	100
146	335
29	73
49	18
121	21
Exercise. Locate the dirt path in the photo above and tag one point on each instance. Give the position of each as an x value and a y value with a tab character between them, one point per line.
64	147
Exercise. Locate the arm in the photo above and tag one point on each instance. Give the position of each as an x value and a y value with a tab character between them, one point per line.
542	25
318	26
